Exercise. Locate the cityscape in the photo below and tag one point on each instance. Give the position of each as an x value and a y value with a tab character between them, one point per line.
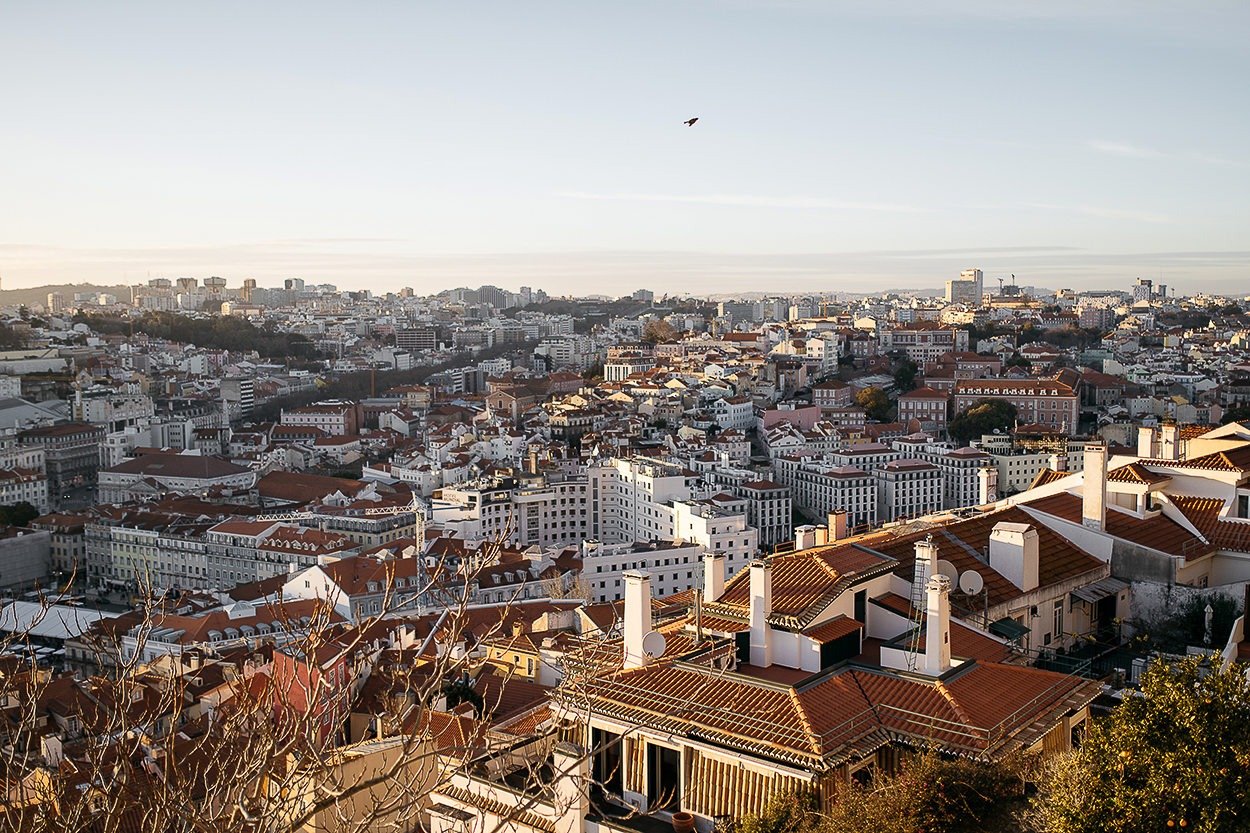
716	416
728	549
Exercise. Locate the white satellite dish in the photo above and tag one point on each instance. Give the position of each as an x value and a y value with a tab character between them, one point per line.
653	644
945	568
971	582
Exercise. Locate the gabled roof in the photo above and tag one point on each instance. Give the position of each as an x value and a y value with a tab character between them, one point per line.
1158	532
1136	473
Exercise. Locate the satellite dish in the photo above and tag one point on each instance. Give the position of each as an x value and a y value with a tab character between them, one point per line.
971	582
945	568
653	644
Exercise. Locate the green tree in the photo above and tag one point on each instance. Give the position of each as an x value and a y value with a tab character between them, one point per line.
17	514
875	403
1239	414
1177	757
905	375
928	794
981	417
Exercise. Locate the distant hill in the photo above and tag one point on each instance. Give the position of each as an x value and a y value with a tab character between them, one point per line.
39	294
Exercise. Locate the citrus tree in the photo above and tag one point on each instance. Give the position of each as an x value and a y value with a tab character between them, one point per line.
1175	757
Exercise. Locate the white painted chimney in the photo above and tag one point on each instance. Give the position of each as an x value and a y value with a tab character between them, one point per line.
1146	442
761	608
1094	490
571	787
926	563
937	631
1058	462
713	576
804	537
838	528
1014	554
987	485
1169	442
637	616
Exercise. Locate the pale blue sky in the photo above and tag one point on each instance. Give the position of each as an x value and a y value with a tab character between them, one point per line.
840	145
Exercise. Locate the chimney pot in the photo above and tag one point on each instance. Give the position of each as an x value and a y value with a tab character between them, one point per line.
761	609
637	617
1094	489
713	576
937	633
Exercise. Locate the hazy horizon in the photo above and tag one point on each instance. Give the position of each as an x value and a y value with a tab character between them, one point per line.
841	146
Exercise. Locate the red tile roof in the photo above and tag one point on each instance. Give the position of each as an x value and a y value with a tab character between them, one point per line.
1159	532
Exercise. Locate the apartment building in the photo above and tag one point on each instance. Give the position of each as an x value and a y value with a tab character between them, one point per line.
908	488
674	566
1037	401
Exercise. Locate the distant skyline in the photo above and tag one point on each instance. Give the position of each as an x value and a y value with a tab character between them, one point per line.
841	146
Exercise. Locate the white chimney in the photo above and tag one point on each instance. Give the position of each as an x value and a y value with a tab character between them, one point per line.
637	616
987	485
1058	462
1014	554
1169	442
1146	442
761	608
937	631
571	787
926	563
1094	490
838	525
804	537
713	576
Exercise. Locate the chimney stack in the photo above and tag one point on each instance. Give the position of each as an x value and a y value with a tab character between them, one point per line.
1169	442
637	616
838	528
926	563
1094	490
1014	554
761	608
1146	442
1059	462
937	631
987	485
713	576
571	787
804	537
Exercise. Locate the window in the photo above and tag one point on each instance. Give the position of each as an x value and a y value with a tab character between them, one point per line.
1057	620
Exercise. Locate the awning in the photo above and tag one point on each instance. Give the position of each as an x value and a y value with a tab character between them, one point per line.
1099	590
1008	629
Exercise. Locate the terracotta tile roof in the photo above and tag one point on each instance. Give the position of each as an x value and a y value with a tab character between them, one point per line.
804	582
1236	459
980	708
835	628
1046	476
963	543
1136	473
1204	514
1159	532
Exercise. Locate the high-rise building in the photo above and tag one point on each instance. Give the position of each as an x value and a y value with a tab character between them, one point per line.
967	289
56	303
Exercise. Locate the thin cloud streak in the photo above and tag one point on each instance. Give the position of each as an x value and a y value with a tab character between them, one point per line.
749	201
1105	213
1124	149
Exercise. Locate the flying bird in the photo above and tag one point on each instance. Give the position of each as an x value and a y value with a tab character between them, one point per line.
691	122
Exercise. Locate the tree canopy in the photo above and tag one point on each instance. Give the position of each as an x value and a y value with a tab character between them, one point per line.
981	417
17	514
875	403
659	331
1178	756
217	333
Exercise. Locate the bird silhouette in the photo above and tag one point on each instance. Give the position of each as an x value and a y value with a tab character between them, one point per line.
691	122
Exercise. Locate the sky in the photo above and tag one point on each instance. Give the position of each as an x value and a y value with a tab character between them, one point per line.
841	146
